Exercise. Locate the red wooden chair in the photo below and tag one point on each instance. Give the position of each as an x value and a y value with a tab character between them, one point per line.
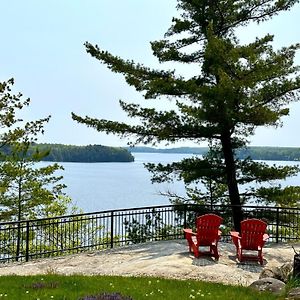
207	235
252	237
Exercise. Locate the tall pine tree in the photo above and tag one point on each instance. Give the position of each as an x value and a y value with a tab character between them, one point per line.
239	88
27	191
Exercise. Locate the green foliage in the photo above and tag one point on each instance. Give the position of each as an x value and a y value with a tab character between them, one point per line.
193	171
270	153
27	191
139	288
292	283
54	236
62	236
153	226
45	235
9	105
238	88
255	153
90	153
189	150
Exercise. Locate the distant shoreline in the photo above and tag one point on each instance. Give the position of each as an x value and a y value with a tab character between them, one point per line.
84	154
99	153
255	152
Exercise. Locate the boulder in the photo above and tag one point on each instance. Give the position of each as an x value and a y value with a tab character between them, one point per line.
268	284
282	273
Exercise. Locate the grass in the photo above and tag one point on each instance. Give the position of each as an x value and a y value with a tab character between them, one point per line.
138	288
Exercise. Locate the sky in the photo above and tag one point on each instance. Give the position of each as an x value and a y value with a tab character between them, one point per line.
42	48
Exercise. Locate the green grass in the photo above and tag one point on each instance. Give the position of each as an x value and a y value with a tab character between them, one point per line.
139	288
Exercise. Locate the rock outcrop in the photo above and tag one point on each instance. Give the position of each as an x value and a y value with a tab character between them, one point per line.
272	285
282	273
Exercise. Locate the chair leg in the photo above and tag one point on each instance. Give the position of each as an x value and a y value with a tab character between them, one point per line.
260	257
190	242
192	246
214	251
235	241
240	254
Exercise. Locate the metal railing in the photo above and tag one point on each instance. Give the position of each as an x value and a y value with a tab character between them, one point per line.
30	239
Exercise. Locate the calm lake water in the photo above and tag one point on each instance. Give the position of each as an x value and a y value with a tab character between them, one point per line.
103	186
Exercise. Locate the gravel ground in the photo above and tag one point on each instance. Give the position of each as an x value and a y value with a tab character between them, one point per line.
169	259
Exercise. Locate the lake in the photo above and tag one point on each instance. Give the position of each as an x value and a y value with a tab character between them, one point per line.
104	186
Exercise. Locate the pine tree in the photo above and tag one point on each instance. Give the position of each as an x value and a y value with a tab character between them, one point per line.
26	190
239	87
213	189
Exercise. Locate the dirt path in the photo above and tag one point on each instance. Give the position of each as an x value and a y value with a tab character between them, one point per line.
165	259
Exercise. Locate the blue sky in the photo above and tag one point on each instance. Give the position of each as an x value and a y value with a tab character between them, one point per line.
42	48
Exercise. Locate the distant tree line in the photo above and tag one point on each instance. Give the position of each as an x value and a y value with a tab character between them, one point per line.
72	153
90	153
271	153
255	153
185	150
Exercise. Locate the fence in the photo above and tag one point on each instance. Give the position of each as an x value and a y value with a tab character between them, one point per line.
63	235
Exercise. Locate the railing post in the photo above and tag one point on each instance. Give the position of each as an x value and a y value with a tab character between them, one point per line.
112	229
27	242
277	225
184	216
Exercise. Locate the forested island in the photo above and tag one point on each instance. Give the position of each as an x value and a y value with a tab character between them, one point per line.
99	153
90	153
256	153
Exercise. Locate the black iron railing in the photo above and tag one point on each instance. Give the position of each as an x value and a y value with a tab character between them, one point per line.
63	235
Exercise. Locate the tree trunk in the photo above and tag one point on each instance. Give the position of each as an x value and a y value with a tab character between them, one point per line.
234	195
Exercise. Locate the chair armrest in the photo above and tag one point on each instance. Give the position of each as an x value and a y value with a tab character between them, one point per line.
235	234
189	231
265	237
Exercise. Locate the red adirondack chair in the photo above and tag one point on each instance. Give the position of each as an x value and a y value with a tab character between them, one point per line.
207	235
252	238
